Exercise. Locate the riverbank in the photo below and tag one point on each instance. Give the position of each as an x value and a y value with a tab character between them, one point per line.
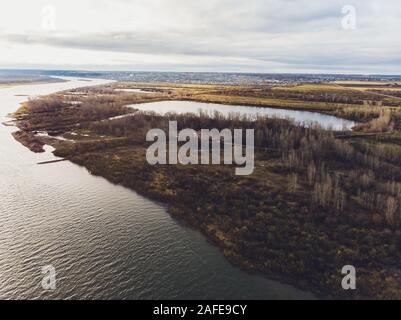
300	217
7	82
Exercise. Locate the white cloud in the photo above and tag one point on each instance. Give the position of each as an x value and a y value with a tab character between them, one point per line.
225	35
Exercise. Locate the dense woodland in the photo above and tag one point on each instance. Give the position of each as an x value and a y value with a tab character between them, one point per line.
312	157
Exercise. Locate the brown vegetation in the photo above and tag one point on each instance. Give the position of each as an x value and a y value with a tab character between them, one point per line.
318	200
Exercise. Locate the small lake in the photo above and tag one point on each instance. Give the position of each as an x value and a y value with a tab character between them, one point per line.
305	118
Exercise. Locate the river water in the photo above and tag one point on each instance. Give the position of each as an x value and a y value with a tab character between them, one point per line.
105	241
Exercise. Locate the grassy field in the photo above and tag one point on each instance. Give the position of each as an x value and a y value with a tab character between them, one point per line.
364	83
313	87
324	97
391	87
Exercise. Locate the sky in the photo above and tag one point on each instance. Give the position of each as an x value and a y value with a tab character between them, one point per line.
266	36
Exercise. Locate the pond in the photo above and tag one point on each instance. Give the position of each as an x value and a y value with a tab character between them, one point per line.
306	118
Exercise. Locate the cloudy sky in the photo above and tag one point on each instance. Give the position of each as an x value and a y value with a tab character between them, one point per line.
213	35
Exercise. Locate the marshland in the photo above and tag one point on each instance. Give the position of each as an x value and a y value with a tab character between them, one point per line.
319	198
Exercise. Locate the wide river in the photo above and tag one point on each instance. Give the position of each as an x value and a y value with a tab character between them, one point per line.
105	241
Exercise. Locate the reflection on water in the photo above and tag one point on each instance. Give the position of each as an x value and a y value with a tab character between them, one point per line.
105	241
303	117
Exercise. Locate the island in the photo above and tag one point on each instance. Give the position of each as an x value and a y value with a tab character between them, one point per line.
318	199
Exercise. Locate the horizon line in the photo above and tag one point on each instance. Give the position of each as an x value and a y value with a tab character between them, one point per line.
200	72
